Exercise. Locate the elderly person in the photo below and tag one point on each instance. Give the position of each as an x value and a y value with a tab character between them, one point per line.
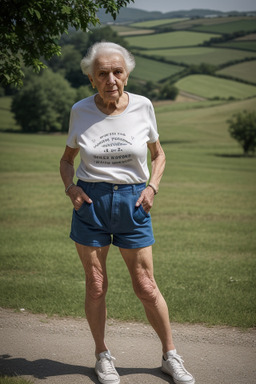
113	130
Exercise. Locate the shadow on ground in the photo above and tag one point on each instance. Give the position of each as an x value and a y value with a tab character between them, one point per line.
43	368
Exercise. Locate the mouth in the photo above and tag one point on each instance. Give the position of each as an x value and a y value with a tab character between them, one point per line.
112	91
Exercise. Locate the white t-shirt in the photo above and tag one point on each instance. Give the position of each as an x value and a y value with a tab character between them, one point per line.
113	149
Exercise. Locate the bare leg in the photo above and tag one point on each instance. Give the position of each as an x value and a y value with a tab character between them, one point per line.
94	263
140	265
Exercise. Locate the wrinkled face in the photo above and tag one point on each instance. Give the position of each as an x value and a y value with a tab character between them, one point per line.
109	76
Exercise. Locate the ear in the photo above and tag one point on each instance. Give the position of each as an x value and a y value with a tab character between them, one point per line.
126	81
91	80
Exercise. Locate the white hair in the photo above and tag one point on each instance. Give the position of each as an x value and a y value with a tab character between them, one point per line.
98	49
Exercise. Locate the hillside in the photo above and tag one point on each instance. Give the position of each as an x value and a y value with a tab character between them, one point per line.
173	49
129	15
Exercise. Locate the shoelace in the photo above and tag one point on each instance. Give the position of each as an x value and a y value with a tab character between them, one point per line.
176	362
107	364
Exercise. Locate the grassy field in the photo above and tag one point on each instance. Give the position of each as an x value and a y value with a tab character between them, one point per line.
152	70
198	55
244	71
183	46
244	45
211	87
229	27
203	218
249	37
14	380
169	40
7	120
191	23
124	30
157	23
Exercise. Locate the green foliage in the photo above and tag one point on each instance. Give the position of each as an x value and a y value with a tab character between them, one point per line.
168	92
68	64
139	87
78	39
107	34
242	127
203	68
31	30
153	91
83	92
43	104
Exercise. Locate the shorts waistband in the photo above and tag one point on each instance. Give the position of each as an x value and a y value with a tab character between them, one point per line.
128	188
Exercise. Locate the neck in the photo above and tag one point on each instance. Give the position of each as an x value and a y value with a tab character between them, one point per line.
112	107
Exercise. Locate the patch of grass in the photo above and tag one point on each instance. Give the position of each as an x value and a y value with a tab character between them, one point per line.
157	23
191	23
169	40
244	71
244	45
7	119
13	380
203	218
152	70
163	106
211	87
229	27
198	55
125	30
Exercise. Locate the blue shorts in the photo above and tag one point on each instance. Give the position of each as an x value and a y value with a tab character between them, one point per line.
112	217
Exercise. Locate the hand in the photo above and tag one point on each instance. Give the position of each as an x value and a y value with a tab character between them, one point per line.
146	199
78	197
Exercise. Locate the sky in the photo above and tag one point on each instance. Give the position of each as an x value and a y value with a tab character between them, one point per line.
174	5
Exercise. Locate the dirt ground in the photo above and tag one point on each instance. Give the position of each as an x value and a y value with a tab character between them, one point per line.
61	351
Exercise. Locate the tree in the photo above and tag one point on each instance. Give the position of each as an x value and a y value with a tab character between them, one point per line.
168	92
83	92
31	30
242	127
44	102
68	64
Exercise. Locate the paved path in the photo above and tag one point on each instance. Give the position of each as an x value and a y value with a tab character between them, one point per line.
60	351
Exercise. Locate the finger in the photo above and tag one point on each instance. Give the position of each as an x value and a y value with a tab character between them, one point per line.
139	201
86	198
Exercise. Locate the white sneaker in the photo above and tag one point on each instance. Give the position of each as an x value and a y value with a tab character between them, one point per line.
105	369
174	367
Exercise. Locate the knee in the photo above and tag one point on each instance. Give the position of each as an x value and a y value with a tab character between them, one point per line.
96	284
145	287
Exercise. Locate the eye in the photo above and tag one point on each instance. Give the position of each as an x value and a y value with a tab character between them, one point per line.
118	72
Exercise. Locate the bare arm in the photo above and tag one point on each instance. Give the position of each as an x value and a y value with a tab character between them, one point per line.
67	172
157	169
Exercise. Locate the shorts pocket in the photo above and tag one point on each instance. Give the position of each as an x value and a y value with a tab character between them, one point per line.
84	212
140	215
87	214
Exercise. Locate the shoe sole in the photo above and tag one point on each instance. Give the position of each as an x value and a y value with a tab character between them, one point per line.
106	382
177	381
113	382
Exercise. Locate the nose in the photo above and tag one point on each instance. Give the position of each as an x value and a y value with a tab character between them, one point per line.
111	78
